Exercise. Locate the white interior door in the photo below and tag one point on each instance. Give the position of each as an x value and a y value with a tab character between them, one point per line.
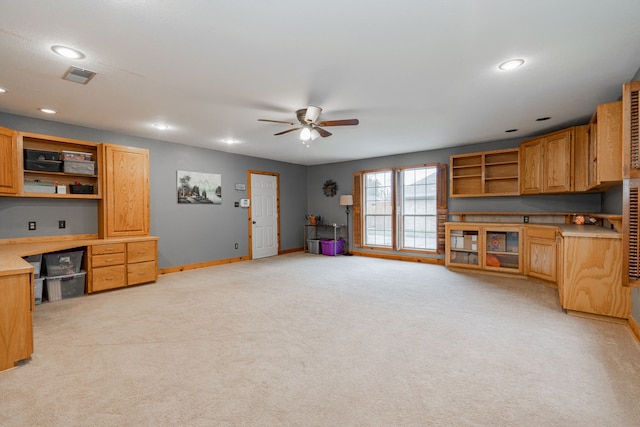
264	215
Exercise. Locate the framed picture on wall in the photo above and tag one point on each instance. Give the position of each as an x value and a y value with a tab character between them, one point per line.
199	188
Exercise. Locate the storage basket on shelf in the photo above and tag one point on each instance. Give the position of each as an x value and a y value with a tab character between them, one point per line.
332	247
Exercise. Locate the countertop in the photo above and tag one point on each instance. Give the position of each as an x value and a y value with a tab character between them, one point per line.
11	261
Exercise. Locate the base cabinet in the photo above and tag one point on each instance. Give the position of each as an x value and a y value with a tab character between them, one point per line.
16	320
591	278
117	265
142	262
541	250
484	247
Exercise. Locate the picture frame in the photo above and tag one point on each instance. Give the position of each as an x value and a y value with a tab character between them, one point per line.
197	188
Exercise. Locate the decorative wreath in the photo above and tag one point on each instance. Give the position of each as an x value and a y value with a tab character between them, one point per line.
329	188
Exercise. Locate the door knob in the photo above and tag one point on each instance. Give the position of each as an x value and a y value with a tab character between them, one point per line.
253	222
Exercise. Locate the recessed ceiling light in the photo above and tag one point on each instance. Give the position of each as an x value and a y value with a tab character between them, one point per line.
230	141
511	64
2	90
161	126
542	119
47	110
67	52
511	130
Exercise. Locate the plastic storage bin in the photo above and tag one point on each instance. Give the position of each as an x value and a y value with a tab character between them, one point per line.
65	286
39	187
79	167
81	189
42	165
314	246
41	155
332	247
36	262
61	263
76	155
37	292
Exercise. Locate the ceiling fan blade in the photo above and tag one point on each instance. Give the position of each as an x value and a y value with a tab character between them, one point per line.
277	121
323	133
348	122
286	131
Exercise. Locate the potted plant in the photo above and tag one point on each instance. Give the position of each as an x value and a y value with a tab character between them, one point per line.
313	219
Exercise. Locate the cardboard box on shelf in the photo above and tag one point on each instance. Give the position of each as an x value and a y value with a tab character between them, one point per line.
497	242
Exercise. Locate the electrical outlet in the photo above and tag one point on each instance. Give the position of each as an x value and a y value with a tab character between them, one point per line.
32	225
236	246
526	220
62	224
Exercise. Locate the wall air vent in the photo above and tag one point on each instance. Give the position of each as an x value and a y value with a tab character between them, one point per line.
78	75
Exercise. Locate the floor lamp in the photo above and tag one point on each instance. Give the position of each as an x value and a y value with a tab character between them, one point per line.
346	200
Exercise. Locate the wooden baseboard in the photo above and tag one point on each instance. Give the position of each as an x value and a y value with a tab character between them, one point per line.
597	317
634	327
289	251
179	268
397	257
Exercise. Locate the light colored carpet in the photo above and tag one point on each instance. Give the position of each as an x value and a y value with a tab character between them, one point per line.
309	340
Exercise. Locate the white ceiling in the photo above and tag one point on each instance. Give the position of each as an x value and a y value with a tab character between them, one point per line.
417	74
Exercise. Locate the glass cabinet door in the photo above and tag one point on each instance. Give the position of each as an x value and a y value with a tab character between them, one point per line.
464	247
503	249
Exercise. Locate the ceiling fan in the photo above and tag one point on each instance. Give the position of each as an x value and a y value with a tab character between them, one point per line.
309	125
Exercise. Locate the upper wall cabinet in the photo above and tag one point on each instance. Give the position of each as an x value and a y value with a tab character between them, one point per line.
488	173
546	163
124	211
58	167
605	147
9	182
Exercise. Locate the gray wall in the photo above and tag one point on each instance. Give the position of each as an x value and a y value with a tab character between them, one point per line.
188	233
342	173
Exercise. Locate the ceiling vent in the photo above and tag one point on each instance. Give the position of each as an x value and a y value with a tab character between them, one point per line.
78	75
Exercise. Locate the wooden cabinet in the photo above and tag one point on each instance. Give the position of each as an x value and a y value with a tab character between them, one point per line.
488	173
16	322
9	181
463	246
142	262
116	265
541	250
591	277
487	247
503	248
605	147
107	267
124	211
30	141
546	163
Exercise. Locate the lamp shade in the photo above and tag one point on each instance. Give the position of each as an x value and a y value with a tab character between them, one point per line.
346	200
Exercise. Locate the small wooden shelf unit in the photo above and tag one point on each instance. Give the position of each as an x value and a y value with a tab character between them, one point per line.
489	173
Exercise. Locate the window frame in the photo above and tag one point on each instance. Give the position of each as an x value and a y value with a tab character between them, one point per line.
359	214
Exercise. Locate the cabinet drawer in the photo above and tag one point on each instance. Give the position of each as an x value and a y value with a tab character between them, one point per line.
107	249
141	251
541	232
107	259
108	278
141	272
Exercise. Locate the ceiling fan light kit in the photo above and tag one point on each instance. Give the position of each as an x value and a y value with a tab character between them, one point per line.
309	126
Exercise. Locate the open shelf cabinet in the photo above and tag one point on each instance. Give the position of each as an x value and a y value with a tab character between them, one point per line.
488	173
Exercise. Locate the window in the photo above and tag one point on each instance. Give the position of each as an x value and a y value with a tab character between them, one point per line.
401	209
378	208
418	223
